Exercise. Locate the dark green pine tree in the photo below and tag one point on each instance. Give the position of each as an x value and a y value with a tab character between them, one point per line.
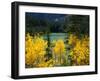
78	24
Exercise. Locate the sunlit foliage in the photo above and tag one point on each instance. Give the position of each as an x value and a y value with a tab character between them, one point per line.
80	50
59	52
35	50
72	39
59	47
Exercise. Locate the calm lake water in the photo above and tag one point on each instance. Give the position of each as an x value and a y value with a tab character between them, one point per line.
56	36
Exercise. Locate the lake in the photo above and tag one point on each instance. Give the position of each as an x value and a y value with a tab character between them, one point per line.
56	36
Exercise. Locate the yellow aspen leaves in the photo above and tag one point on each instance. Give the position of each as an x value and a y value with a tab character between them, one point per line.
80	51
36	54
35	50
59	47
59	51
72	39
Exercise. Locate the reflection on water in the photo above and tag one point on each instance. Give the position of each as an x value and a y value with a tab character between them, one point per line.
56	36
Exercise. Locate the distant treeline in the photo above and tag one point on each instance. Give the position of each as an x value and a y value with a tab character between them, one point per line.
78	24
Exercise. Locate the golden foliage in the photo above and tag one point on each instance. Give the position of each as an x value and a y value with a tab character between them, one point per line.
35	50
59	52
36	46
80	51
72	39
59	47
49	63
